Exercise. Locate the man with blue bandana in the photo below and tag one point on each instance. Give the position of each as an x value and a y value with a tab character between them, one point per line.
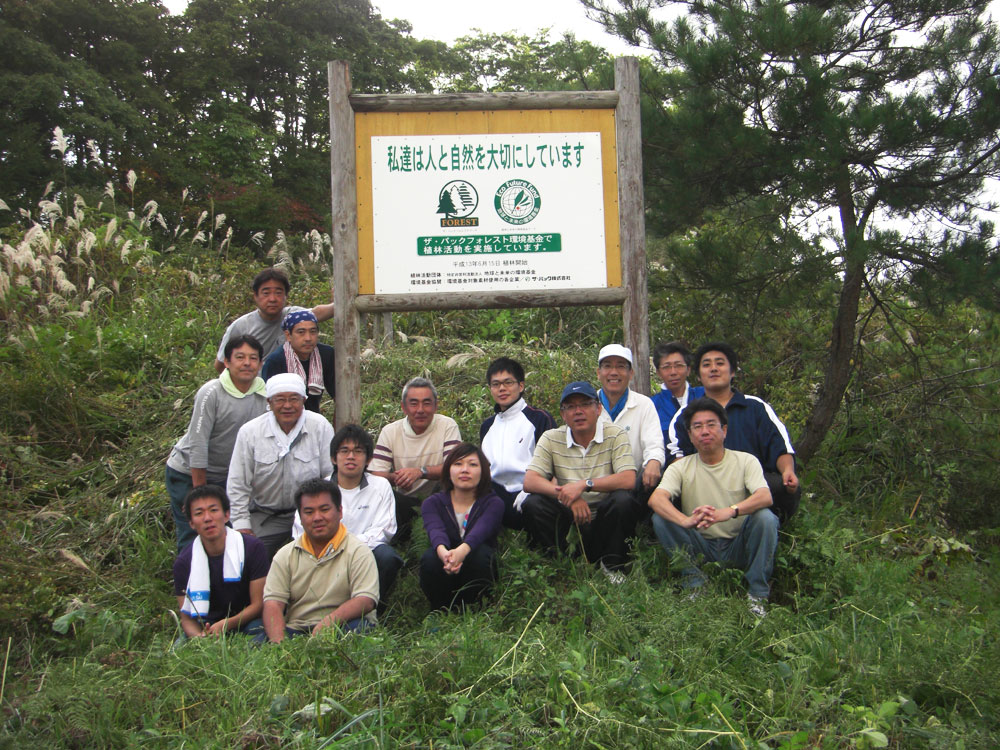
303	355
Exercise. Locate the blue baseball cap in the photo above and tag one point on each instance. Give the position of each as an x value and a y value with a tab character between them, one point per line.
578	387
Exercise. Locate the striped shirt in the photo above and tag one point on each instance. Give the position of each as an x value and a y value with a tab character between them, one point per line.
557	456
399	447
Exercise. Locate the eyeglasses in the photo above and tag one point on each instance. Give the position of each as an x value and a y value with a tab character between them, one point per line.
345	451
615	366
712	424
672	366
576	405
508	383
290	400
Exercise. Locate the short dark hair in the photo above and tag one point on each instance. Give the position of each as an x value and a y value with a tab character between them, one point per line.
505	364
270	274
704	404
357	435
317	487
461	451
237	341
665	348
205	490
717	346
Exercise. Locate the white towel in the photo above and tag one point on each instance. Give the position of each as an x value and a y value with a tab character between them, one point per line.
197	594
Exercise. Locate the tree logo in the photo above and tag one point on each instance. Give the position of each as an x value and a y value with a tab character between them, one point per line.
517	201
457	200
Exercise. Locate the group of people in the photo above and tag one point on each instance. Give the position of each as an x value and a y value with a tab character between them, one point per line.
285	527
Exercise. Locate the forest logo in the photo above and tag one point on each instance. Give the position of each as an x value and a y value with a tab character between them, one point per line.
457	201
517	201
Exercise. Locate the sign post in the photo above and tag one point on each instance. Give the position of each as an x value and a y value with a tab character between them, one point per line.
464	201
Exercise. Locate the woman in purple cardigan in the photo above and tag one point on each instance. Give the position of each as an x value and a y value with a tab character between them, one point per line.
462	523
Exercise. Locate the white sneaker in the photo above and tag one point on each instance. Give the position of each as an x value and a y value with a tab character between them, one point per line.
757	606
615	576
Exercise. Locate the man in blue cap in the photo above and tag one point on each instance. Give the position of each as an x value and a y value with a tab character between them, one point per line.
583	474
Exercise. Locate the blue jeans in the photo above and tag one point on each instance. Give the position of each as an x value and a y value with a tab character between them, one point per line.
178	485
357	625
752	550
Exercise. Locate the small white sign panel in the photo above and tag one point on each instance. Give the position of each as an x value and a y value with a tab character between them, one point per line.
488	212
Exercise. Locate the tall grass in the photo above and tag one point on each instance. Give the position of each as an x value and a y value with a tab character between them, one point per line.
884	613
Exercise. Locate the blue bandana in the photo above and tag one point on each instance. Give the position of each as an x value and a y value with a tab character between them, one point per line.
294	318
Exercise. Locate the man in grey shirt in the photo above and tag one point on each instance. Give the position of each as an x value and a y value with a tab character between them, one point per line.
221	407
270	294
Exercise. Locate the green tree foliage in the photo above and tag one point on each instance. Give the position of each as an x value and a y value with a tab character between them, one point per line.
228	99
508	61
854	118
97	68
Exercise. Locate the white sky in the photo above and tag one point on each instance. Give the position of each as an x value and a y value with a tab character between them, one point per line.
446	20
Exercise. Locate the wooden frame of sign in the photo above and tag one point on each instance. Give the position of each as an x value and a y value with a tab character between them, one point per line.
631	294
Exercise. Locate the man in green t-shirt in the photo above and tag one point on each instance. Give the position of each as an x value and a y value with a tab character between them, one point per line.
724	514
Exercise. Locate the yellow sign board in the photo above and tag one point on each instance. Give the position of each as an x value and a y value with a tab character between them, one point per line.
501	200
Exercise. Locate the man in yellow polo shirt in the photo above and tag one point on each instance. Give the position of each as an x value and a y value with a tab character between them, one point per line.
327	577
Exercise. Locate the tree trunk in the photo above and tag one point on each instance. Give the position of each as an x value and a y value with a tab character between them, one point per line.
841	358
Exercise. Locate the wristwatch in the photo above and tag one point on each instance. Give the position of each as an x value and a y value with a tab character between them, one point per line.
423	472
590	484
736	511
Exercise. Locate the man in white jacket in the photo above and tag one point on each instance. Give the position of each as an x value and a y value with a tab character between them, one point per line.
634	413
273	455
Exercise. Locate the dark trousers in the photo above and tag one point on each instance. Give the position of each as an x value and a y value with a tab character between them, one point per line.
407	508
512	517
388	562
604	539
453	590
785	502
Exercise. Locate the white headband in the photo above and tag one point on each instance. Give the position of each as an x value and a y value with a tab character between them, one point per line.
286	382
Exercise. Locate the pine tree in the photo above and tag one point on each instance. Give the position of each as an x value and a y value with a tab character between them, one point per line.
884	117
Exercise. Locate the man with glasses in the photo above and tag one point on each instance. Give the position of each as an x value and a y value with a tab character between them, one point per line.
634	413
724	513
583	475
672	361
273	455
508	438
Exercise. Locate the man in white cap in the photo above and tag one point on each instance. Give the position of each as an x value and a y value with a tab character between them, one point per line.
273	455
634	413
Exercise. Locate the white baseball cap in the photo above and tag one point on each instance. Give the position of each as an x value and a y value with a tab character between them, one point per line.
615	350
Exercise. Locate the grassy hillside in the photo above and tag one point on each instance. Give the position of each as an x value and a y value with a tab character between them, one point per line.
884	619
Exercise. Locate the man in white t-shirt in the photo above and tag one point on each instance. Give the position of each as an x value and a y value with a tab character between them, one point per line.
410	452
724	513
270	295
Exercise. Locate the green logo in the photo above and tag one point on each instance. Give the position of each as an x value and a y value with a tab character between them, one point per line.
517	201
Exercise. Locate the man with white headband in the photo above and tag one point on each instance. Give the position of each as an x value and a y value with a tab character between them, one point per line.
273	455
303	355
